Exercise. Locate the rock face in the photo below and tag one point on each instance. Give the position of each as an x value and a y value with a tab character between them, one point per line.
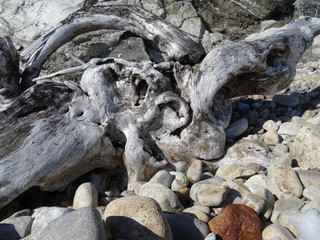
136	218
237	221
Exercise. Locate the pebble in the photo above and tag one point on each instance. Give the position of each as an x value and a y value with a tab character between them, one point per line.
289	128
195	187
15	228
165	197
270	125
277	231
237	128
312	193
83	223
237	221
305	148
271	137
283	181
309	178
280	149
285	159
163	177
286	100
254	201
85	196
259	179
231	172
185	226
194	171
210	236
180	180
212	195
136	217
199	214
285	205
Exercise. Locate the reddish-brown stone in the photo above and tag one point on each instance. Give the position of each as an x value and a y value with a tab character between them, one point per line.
237	222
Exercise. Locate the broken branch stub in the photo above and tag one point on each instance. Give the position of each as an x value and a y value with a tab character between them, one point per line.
142	114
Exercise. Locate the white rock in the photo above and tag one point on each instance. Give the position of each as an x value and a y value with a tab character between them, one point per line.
180	180
271	137
309	177
283	181
210	236
305	148
195	187
195	171
254	201
280	149
85	196
212	195
270	125
289	128
163	177
276	231
285	205
231	172
166	198
258	179
312	193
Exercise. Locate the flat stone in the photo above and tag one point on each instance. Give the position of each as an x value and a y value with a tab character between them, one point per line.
237	128
231	172
286	100
195	171
84	223
289	128
309	178
212	195
305	148
163	177
237	221
165	197
136	217
271	137
195	187
285	205
283	181
277	231
184	226
15	228
85	196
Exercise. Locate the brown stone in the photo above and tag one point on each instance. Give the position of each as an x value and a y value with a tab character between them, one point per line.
237	222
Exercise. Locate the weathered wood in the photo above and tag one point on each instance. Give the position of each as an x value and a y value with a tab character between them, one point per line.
179	45
53	132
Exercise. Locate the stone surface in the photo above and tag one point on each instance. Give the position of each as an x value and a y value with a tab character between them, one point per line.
15	228
286	100
180	180
280	149
283	181
43	216
271	137
195	187
270	125
195	171
259	179
166	198
289	128
237	128
230	172
285	205
184	226
136	217
237	221
309	178
254	201
212	195
84	223
85	196
197	213
277	231
305	148
163	177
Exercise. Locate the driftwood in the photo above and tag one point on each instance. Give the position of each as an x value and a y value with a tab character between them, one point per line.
144	115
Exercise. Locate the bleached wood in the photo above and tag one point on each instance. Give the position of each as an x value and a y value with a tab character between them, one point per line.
135	112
